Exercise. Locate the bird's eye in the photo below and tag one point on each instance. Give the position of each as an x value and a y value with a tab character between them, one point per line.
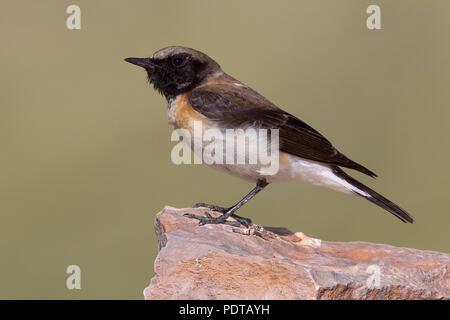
178	61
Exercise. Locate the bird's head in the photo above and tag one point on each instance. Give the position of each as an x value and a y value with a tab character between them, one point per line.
175	70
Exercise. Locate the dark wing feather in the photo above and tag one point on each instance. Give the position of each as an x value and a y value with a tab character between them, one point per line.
235	107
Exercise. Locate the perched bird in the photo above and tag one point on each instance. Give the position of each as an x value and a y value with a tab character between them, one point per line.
197	89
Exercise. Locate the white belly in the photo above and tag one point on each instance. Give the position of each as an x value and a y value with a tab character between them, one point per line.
290	168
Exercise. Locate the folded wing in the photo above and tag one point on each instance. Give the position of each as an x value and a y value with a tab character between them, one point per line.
241	107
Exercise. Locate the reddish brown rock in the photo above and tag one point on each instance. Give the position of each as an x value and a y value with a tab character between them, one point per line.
222	262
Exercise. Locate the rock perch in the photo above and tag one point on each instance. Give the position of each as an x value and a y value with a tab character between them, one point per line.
222	262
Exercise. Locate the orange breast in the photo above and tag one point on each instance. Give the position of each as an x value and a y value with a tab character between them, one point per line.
182	115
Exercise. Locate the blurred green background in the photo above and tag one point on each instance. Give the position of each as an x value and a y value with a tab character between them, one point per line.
85	145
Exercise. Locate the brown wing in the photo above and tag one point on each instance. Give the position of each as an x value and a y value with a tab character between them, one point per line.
234	107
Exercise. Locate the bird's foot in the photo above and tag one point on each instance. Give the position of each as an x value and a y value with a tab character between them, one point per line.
244	221
208	219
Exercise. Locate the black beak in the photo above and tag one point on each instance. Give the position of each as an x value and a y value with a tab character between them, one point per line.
141	62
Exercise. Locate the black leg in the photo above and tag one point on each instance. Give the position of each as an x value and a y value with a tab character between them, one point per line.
260	184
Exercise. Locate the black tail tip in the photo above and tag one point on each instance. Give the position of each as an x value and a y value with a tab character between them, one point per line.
390	207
